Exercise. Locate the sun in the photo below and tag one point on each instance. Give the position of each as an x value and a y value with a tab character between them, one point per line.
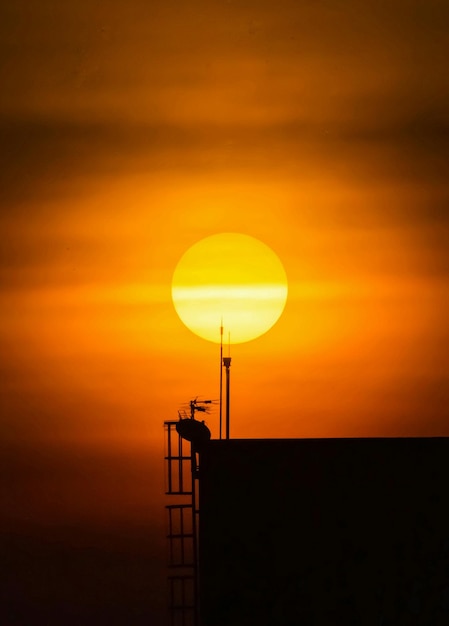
233	279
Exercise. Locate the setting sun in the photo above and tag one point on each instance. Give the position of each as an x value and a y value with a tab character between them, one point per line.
277	170
230	278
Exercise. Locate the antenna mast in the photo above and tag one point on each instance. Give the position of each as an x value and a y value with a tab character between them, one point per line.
227	364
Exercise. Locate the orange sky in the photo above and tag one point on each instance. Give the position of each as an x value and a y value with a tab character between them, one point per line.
131	130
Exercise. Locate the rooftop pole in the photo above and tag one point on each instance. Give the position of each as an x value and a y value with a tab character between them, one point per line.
227	364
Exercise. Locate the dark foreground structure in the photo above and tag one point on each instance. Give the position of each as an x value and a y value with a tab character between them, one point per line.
324	531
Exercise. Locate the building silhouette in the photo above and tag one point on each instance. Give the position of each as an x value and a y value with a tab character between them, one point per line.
324	531
290	532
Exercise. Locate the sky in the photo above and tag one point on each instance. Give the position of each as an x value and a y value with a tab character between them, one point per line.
130	131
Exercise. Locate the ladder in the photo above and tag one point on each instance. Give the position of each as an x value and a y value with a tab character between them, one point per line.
182	525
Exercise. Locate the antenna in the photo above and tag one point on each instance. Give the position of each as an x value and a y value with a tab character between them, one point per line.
198	405
227	364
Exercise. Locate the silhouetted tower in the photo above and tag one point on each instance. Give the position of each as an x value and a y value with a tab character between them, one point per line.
182	474
182	483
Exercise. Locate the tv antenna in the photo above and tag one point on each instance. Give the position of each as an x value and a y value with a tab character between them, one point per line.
192	429
199	405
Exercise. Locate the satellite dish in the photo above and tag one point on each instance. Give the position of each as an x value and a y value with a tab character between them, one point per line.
194	431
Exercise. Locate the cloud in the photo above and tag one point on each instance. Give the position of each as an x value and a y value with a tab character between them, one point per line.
46	158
